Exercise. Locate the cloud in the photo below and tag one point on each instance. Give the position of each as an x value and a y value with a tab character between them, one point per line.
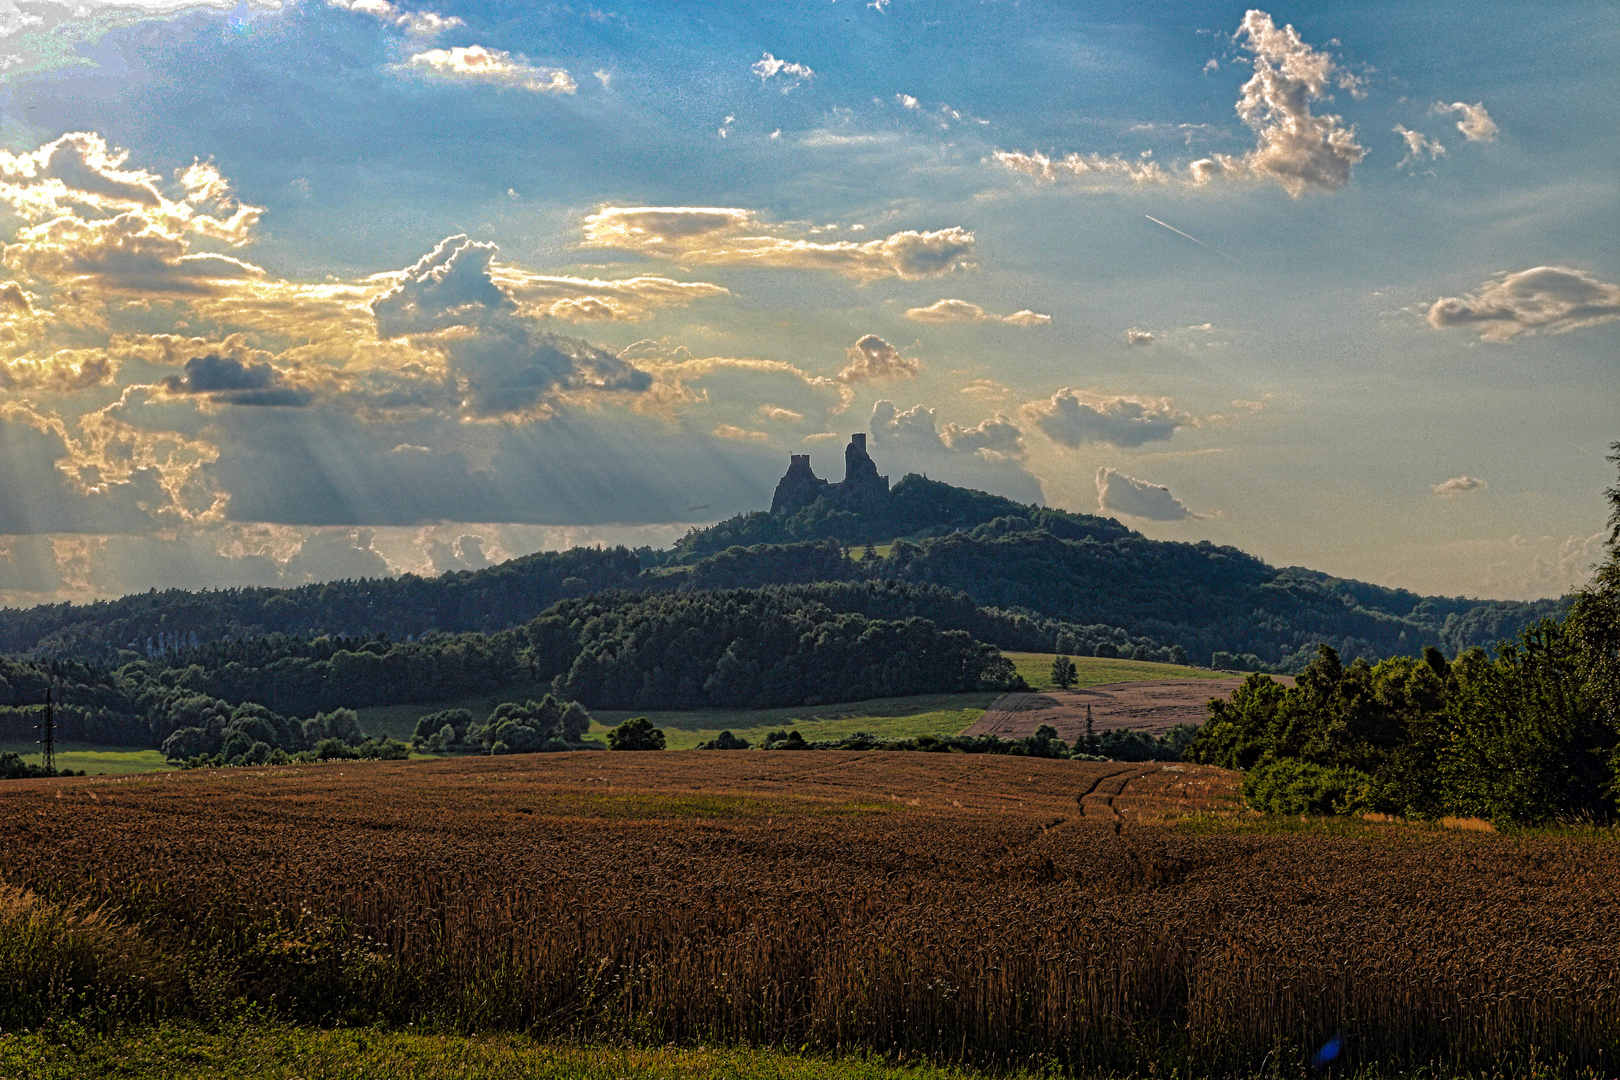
95	226
594	299
415	23
915	428
1476	124
1553	299
1295	148
1141	170
875	360
776	412
506	363
1127	495
1027	318
732	431
1135	336
953	311
63	372
907	101
475	63
994	438
229	381
988	455
1072	418
449	286
1459	485
769	67
729	236
1417	145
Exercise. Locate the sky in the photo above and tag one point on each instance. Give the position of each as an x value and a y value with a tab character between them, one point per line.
340	288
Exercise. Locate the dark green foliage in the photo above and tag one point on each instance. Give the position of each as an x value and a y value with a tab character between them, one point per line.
1291	786
1519	739
151	623
637	733
13	767
430	725
724	741
534	726
1110	745
915	506
1118	593
749	648
1063	673
251	734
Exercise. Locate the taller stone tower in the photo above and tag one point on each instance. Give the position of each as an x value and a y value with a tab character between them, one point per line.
860	471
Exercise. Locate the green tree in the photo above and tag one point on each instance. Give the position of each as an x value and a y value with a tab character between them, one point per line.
637	733
1063	671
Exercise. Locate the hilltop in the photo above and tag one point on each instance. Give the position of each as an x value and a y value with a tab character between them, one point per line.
1111	590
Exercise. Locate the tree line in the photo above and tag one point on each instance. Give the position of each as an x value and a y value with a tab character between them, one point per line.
802	645
1115	591
1529	735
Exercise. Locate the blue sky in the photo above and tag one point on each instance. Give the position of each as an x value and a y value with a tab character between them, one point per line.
329	289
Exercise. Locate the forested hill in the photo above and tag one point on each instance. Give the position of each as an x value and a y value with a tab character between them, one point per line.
916	507
483	600
1113	588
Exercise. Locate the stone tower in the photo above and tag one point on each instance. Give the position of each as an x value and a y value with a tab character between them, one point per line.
799	486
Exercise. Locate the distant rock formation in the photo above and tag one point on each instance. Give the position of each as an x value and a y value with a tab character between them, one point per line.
800	486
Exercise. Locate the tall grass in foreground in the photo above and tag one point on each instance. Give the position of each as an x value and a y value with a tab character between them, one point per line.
846	971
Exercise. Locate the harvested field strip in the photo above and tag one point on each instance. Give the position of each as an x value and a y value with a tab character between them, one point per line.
933	905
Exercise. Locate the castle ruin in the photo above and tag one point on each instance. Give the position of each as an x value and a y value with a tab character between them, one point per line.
800	486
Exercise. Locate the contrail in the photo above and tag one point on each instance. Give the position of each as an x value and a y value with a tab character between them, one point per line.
1194	239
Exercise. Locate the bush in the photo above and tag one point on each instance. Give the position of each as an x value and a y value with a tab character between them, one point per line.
724	741
636	734
1291	786
13	767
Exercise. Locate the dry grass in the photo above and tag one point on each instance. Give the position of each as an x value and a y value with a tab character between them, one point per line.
983	909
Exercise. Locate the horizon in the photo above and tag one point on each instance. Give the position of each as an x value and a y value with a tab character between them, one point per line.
351	288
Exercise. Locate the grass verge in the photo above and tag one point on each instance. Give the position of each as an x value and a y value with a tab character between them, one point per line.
281	1052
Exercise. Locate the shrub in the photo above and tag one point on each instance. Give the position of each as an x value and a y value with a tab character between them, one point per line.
1291	786
724	741
637	733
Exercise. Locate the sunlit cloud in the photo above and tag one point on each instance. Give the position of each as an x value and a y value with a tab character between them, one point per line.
475	63
727	236
1296	148
1121	494
1073	417
1546	299
963	311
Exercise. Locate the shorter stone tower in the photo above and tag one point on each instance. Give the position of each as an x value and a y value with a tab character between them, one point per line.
799	486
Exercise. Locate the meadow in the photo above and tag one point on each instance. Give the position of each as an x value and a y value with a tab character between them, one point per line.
1036	668
984	912
96	759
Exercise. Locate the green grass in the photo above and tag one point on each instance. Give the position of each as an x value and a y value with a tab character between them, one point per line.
891	718
400	720
895	718
278	1052
94	758
1036	668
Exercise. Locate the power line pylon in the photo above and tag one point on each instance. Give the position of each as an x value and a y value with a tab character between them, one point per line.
47	736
